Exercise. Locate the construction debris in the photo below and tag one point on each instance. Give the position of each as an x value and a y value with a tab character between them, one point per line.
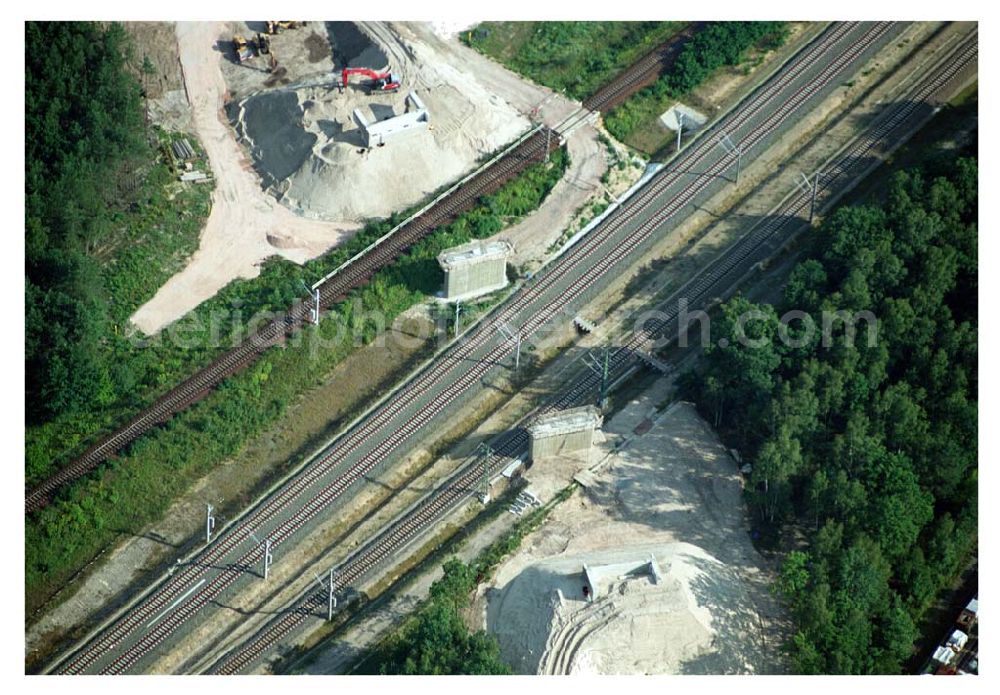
305	142
243	50
183	151
524	502
263	44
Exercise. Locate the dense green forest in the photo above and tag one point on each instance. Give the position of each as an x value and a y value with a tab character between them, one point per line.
83	123
90	514
106	224
577	58
866	449
716	45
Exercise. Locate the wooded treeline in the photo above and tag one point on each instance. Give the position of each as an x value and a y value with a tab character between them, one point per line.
83	121
716	45
867	450
435	640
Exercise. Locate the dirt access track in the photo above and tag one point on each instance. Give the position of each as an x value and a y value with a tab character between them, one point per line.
246	225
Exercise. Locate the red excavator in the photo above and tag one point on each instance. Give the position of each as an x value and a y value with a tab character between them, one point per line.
380	81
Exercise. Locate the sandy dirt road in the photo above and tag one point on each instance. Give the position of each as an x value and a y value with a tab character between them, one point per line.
246	225
439	46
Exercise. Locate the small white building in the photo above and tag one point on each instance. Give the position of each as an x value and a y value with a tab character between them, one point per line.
378	133
943	655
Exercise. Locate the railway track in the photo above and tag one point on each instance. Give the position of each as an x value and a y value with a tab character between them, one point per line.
197	386
711	282
366	447
202	382
642	73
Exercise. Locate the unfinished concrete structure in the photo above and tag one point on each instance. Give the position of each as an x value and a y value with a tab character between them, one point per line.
601	579
564	432
475	269
378	133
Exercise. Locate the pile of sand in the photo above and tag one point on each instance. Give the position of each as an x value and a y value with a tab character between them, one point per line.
660	484
353	48
637	623
309	149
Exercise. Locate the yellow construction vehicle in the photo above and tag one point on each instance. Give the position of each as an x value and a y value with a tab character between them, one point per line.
273	27
263	44
243	50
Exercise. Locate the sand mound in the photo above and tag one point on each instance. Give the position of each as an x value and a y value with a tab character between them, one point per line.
353	48
665	487
310	150
271	124
283	241
676	622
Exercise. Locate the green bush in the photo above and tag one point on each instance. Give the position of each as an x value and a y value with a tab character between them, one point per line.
435	641
577	58
717	45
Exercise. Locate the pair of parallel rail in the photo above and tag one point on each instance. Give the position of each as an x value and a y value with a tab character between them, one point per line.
757	245
355	273
593	249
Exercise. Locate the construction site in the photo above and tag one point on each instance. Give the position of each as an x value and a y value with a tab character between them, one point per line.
337	124
648	567
517	378
372	135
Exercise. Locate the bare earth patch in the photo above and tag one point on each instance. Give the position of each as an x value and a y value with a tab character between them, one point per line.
672	493
235	238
